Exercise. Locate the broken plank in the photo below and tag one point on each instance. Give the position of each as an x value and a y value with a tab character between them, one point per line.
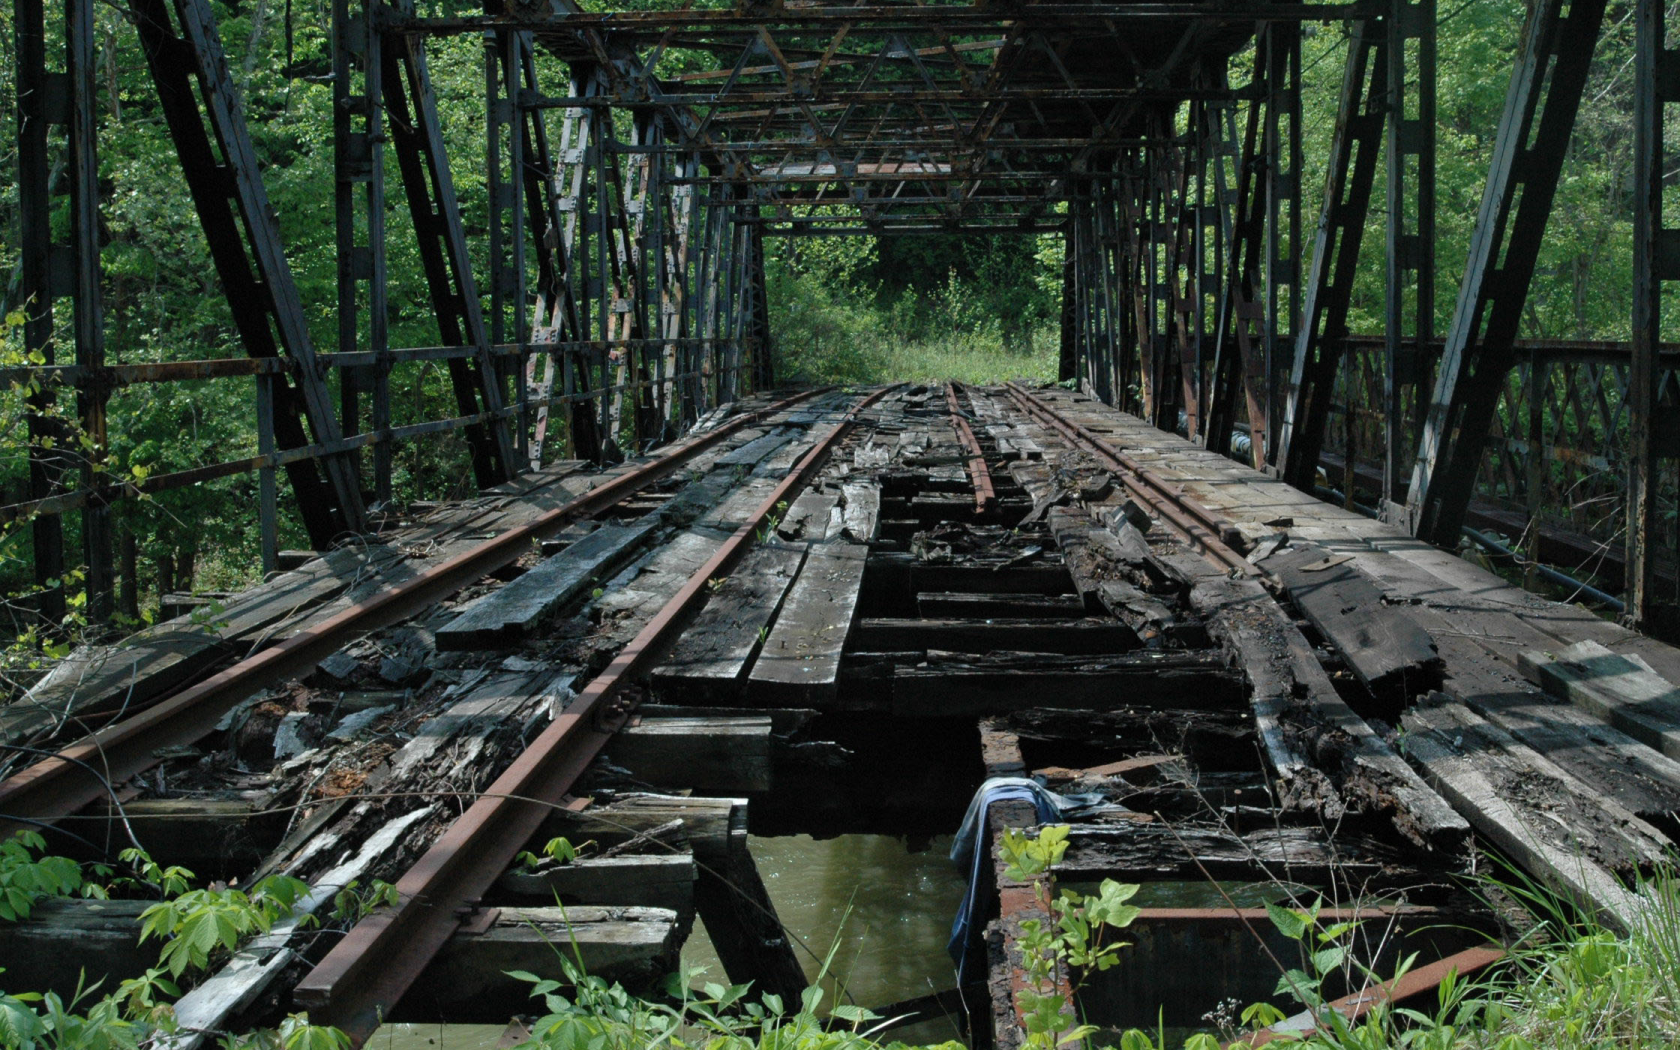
710	660
516	609
955	604
949	685
705	754
1384	647
659	880
468	982
1140	851
800	660
1299	714
862	510
1611	687
1074	637
758	448
1510	799
814	516
1639	778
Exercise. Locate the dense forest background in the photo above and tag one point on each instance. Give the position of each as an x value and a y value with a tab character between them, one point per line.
853	310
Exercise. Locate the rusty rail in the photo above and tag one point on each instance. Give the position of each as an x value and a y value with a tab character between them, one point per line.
368	971
1213	534
985	496
1355	1007
57	786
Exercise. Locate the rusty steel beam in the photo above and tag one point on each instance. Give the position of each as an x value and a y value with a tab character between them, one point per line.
1348	180
985	496
367	972
1547	84
1355	1007
1210	532
64	783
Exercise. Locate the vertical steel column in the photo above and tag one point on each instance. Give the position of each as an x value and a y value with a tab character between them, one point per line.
190	70
359	172
46	467
542	179
1227	177
89	328
504	156
653	278
1411	225
1158	391
268	510
1545	93
1080	234
1133	214
1183	270
1348	179
1113	294
417	136
1207	245
1283	220
1240	365
710	275
600	286
1067	360
764	371
1656	258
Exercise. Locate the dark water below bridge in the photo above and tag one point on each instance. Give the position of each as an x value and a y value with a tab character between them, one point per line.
885	910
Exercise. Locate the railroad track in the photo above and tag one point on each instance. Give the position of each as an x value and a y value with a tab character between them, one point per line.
368	971
62	784
926	581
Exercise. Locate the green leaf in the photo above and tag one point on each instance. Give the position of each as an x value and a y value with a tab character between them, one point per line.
1290	923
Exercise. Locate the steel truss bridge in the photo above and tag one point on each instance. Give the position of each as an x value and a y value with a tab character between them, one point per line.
625	292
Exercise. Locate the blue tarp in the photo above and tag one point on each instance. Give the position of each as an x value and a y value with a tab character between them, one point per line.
966	854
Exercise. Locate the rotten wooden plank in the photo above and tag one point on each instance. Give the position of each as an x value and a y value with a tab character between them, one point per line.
467	982
862	510
1324	755
1620	690
800	660
954	684
658	880
956	604
1538	815
1087	636
1384	647
710	660
518	608
702	754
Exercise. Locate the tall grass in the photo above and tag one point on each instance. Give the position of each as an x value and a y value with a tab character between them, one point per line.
1569	985
834	332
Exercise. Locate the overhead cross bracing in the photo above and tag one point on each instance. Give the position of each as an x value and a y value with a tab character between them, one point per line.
898	118
618	293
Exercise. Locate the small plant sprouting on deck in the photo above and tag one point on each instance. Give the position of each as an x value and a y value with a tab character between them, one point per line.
559	850
1071	943
195	927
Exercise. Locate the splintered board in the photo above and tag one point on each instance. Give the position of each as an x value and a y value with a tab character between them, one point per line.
506	614
710	660
800	660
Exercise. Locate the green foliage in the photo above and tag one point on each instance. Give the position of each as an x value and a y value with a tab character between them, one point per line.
197	923
1073	942
32	1021
353	903
585	1012
1028	855
921	309
26	878
558	850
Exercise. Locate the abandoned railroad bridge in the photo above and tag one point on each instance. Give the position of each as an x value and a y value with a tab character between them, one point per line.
593	620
